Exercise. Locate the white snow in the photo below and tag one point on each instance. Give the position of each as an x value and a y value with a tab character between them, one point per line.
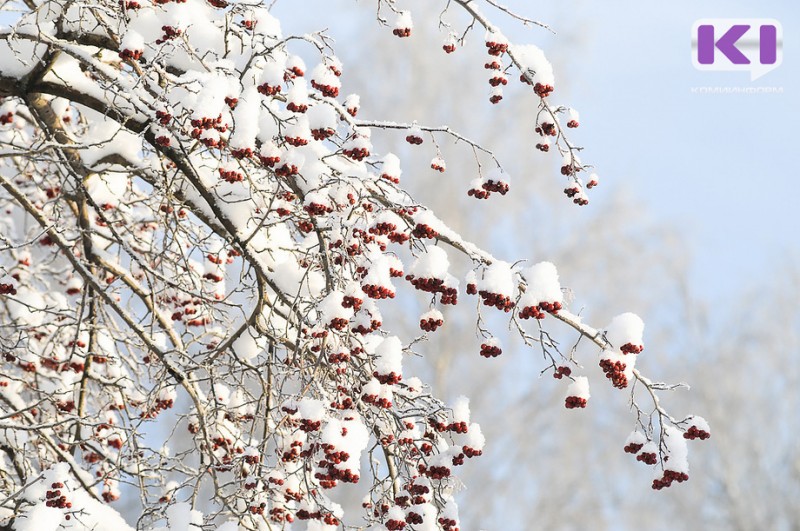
533	61
498	278
636	437
432	263
625	328
677	449
461	409
579	388
311	409
542	284
403	20
389	356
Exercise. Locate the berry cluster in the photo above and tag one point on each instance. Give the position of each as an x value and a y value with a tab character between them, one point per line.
356	153
633	448
448	524
402	32
296	141
361	329
430	324
414	139
338	323
546	129
648	458
668	477
560	372
339	357
438	165
574	190
391	178
206	124
495	186
498	79
630	348
6	118
573	124
270	90
449	48
496	300
258	509
434	285
160	405
496	48
332	475
297	107
269	160
478	193
387	379
696	433
384	403
322	133
329	91
471	452
242	153
615	371
317	209
434	472
349	301
538	311
383	228
132	55
490	351
287	170
374	291
329	519
573	402
542	90
56	499
169	34
231	176
7	289
424	231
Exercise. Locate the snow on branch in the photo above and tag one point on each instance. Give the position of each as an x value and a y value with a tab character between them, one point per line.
198	265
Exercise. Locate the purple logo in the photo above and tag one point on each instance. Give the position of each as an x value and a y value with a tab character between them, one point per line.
729	44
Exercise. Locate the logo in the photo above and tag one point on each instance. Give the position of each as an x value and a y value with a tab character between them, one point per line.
734	45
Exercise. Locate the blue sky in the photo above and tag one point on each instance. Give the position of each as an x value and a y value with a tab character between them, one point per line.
719	166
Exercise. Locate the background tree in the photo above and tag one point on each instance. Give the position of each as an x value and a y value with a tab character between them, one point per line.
197	219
